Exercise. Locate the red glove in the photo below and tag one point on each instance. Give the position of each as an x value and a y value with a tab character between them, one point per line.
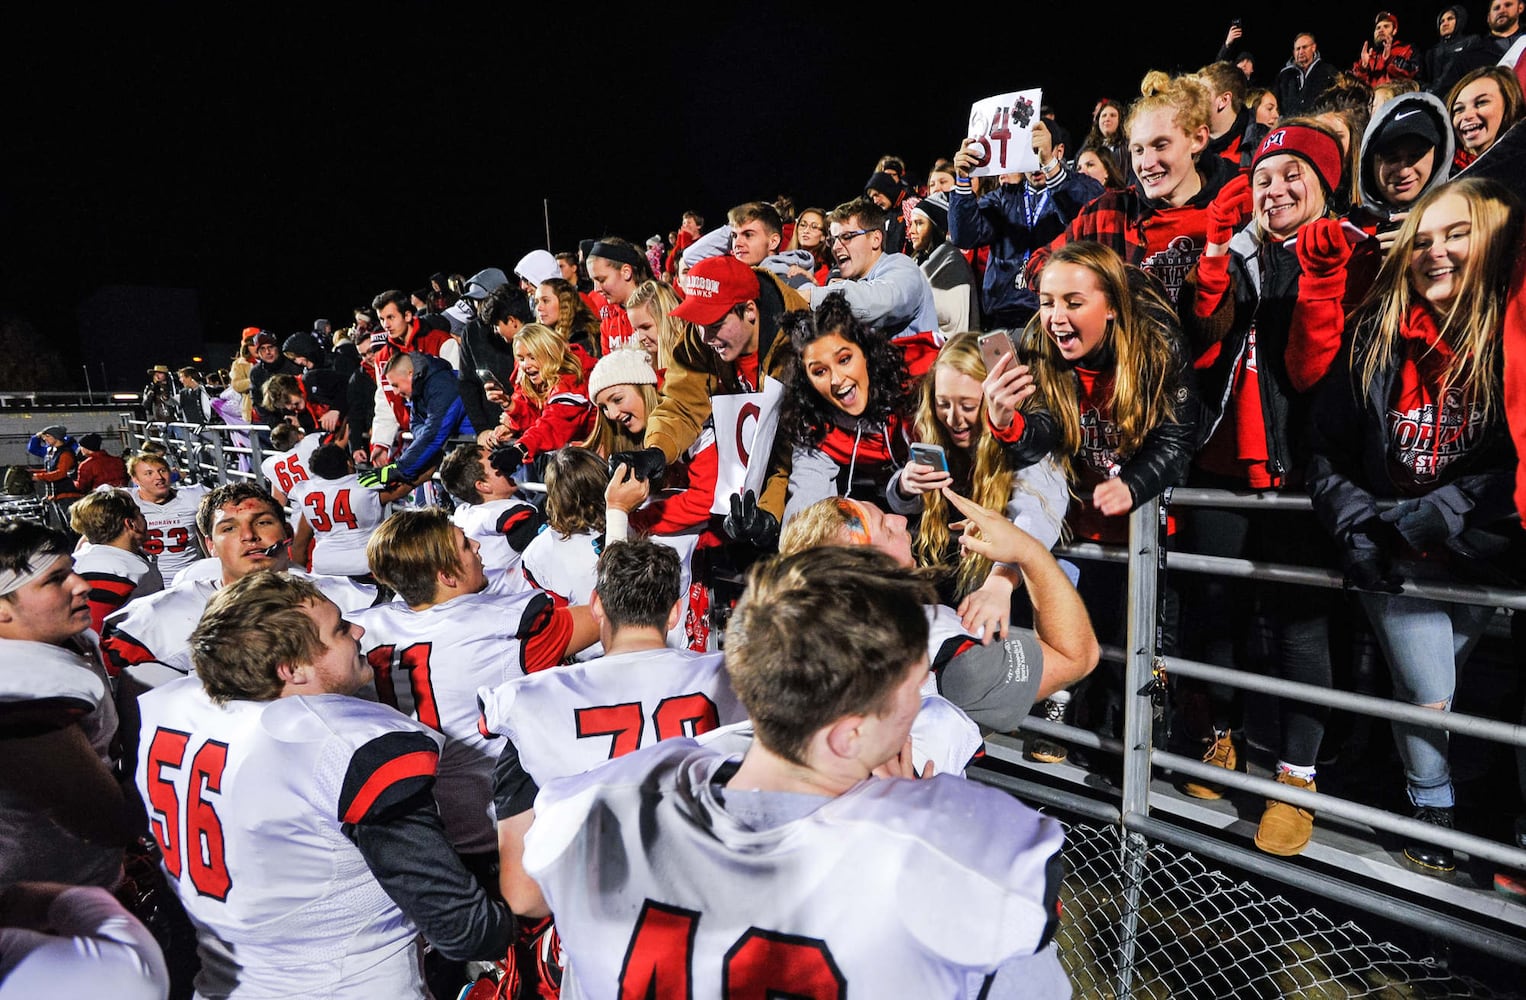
1212	283
1231	209
1323	251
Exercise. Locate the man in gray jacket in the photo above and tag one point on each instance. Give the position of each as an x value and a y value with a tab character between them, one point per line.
886	290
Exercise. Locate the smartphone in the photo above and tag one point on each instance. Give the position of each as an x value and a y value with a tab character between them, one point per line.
487	378
930	454
994	346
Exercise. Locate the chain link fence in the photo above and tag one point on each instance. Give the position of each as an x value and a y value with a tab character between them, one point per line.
1201	935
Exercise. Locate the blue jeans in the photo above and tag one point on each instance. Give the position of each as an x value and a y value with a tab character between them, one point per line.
1426	643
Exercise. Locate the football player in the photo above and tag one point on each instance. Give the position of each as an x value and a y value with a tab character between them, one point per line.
288	466
995	683
173	536
298	824
492	513
790	870
446	638
563	722
113	563
249	532
335	515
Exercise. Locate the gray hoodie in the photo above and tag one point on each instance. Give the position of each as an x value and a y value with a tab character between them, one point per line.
1374	208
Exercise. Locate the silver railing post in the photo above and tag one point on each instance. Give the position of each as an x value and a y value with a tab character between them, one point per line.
219	457
1139	680
256	456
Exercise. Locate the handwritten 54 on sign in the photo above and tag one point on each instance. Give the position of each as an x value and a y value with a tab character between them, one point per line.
1002	128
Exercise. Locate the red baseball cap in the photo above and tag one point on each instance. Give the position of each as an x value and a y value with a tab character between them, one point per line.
713	287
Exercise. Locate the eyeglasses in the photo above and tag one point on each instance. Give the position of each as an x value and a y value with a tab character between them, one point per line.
808	225
847	237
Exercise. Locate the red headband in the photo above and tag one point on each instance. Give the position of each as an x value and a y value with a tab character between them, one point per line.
1321	151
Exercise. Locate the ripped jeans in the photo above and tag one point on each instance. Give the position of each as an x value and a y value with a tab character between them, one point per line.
1426	643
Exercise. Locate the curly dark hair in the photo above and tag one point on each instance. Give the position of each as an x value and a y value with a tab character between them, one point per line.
807	414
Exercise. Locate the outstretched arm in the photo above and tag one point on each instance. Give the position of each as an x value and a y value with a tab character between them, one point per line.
1063	627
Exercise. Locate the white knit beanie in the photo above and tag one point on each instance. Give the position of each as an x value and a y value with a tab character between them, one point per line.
622	367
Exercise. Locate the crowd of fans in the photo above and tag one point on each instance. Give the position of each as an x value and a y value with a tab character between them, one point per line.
827	442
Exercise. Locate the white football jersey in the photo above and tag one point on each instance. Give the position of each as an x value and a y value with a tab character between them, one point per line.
566	721
564	565
941	735
116	576
159	626
430	665
44	686
569	568
284	470
173	537
503	528
342	514
896	888
248	801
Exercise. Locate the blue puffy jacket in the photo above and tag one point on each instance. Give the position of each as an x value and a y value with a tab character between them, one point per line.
437	415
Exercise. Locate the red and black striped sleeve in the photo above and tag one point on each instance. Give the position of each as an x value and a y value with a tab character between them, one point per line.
387	808
386	772
545	629
108	592
519	525
122	650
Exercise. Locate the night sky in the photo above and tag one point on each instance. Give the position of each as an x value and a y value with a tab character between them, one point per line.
284	164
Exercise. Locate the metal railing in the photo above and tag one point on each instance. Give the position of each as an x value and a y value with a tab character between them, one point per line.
218	452
1351	873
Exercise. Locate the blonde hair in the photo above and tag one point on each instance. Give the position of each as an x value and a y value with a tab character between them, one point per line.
657	298
830	521
1185	96
102	515
989	480
556	360
1143	337
409	550
1471	326
609	437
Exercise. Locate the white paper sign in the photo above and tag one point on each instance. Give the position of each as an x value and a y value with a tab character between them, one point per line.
1004	127
744	439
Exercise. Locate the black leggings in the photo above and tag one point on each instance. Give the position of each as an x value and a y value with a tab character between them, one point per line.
1220	614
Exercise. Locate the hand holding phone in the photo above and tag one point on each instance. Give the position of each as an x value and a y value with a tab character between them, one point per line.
1005	388
994	347
931	455
927	470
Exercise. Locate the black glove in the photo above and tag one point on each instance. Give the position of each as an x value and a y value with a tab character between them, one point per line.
1420	524
1380	533
750	523
508	459
648	465
1371	572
